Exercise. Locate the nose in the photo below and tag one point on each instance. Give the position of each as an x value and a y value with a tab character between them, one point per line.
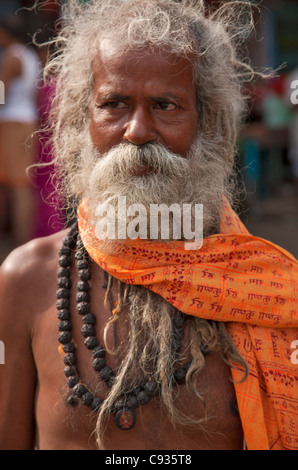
139	128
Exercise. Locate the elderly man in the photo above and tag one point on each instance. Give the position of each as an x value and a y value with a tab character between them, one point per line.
181	347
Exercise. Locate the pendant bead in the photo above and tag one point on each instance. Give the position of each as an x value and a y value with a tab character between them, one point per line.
82	265
65	337
62	304
64	282
65	261
87	399
72	381
63	272
83	308
64	250
70	242
132	402
70	359
63	314
125	419
98	364
96	404
143	398
64	325
69	371
91	342
83	286
85	275
98	352
151	387
88	330
106	373
79	390
82	297
69	347
89	318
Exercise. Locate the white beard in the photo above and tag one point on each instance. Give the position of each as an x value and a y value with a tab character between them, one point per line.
173	180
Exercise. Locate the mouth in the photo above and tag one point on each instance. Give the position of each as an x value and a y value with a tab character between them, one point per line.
141	170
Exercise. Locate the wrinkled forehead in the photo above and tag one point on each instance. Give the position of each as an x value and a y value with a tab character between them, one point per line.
109	55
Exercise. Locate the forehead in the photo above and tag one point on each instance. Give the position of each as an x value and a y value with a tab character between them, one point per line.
154	67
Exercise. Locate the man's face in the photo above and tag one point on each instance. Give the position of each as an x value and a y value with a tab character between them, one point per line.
140	100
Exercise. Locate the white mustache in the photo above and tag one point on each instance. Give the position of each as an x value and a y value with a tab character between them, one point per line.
123	158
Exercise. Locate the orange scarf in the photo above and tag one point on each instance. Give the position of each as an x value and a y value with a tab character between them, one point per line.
244	281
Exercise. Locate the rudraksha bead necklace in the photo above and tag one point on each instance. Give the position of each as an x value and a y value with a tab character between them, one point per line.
126	404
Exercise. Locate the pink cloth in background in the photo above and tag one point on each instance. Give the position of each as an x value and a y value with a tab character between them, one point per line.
49	218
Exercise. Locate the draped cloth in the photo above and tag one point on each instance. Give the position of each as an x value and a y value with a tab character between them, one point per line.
245	281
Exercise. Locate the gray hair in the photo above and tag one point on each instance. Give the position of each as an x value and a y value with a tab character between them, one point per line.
186	28
211	40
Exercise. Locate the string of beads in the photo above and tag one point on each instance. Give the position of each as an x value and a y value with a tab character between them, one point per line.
125	405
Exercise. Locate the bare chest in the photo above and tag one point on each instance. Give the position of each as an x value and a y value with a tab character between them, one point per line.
61	425
64	423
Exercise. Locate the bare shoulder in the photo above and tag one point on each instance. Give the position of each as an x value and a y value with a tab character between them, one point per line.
27	275
32	259
27	291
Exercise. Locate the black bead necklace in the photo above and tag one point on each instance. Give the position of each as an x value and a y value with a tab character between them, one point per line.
126	404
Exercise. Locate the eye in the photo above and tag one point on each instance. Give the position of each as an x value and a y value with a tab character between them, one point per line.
166	106
115	105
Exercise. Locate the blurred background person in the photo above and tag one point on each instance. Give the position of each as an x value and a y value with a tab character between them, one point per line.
19	73
49	216
266	158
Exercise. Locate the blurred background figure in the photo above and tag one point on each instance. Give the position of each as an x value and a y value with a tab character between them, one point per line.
266	158
49	217
19	73
27	199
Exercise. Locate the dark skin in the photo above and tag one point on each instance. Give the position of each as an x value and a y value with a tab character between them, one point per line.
33	410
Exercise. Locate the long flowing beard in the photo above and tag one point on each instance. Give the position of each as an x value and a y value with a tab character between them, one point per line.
170	179
113	176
